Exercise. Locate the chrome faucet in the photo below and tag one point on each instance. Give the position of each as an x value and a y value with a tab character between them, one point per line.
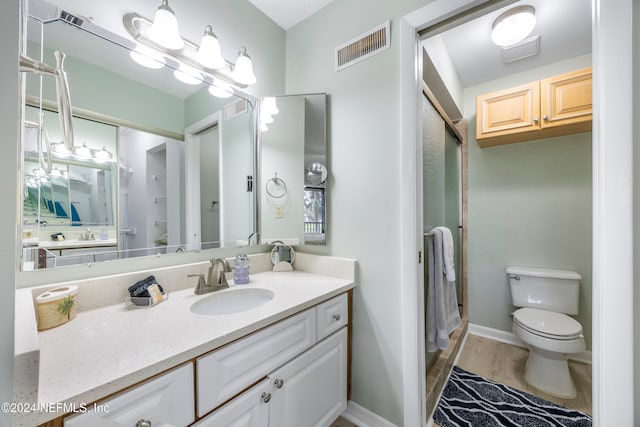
204	286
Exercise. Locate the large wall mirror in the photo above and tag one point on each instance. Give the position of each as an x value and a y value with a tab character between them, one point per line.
159	166
294	170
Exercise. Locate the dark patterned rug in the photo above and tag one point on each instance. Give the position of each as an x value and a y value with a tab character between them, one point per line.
470	400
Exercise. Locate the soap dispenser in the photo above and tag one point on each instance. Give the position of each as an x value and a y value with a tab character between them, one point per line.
241	270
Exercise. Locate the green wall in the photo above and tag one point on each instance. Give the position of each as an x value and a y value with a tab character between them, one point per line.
529	205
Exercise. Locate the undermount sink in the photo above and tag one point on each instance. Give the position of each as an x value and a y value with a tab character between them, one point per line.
232	301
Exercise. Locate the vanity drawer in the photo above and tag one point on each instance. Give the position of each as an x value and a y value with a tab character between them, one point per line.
165	400
225	372
331	316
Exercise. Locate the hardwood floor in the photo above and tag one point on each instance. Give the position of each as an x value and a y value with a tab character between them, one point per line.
341	422
505	363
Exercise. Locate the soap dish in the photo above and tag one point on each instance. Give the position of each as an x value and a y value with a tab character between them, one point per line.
144	302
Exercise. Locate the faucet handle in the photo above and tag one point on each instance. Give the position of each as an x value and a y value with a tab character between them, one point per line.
201	283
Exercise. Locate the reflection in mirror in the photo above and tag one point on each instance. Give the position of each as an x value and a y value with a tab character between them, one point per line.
294	170
144	200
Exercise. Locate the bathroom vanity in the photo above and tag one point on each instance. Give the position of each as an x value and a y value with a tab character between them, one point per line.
281	363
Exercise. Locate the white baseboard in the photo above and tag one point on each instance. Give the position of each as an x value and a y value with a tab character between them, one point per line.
363	417
510	338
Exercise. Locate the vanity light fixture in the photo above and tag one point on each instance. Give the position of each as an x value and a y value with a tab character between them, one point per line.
206	59
268	109
102	155
243	71
513	26
164	29
59	149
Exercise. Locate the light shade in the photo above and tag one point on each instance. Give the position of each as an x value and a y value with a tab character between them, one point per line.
514	25
187	74
102	155
209	54
220	89
164	30
269	105
243	70
147	57
82	151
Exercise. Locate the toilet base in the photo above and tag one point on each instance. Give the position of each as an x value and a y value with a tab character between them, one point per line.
549	372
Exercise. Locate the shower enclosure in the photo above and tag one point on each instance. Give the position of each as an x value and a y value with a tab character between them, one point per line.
442	165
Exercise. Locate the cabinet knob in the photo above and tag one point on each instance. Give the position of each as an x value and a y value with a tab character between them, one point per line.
336	317
536	120
278	383
266	397
545	117
143	423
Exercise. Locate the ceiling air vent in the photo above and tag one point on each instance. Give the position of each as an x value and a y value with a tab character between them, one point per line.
72	19
234	109
524	49
364	46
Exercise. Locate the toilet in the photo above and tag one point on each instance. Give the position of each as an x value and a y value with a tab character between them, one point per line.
545	298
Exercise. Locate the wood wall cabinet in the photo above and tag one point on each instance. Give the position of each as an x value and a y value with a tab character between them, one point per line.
559	105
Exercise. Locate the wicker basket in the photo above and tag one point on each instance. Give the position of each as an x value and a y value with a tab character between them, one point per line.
56	307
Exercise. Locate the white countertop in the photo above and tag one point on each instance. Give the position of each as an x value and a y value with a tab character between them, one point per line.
104	350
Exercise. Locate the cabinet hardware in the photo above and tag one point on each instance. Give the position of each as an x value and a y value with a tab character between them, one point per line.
536	120
143	423
278	383
545	117
266	397
336	317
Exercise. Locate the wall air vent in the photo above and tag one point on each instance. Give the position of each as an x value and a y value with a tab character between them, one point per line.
234	109
524	49
71	19
364	46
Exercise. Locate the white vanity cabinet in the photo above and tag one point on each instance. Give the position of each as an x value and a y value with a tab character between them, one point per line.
164	400
250	409
311	390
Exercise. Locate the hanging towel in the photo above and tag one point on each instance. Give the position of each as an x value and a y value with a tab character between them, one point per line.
442	303
447	254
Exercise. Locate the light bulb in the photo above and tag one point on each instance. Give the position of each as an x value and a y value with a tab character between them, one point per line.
220	89
187	74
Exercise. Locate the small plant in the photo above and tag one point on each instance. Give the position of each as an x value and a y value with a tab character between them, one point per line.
65	306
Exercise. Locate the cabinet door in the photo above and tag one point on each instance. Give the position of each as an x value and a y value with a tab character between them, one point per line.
250	409
566	100
508	112
167	399
311	390
226	372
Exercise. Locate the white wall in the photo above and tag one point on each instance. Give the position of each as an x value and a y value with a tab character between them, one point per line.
9	101
439	55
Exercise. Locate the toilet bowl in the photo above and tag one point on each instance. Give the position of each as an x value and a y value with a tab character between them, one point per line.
550	337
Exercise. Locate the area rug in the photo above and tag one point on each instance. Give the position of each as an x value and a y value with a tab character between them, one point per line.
470	400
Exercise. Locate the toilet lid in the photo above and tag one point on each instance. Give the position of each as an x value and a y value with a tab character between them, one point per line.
548	323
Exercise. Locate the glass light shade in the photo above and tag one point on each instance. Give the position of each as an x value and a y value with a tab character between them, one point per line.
82	151
209	54
102	155
264	127
220	89
164	30
266	118
56	172
513	26
187	74
60	149
269	105
147	57
243	70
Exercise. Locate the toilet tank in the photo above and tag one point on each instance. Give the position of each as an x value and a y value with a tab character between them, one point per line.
547	289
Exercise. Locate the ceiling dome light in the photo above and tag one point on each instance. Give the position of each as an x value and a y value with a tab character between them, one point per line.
209	54
147	57
243	70
187	74
220	89
513	25
164	30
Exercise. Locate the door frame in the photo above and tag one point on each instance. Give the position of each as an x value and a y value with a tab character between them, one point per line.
612	287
